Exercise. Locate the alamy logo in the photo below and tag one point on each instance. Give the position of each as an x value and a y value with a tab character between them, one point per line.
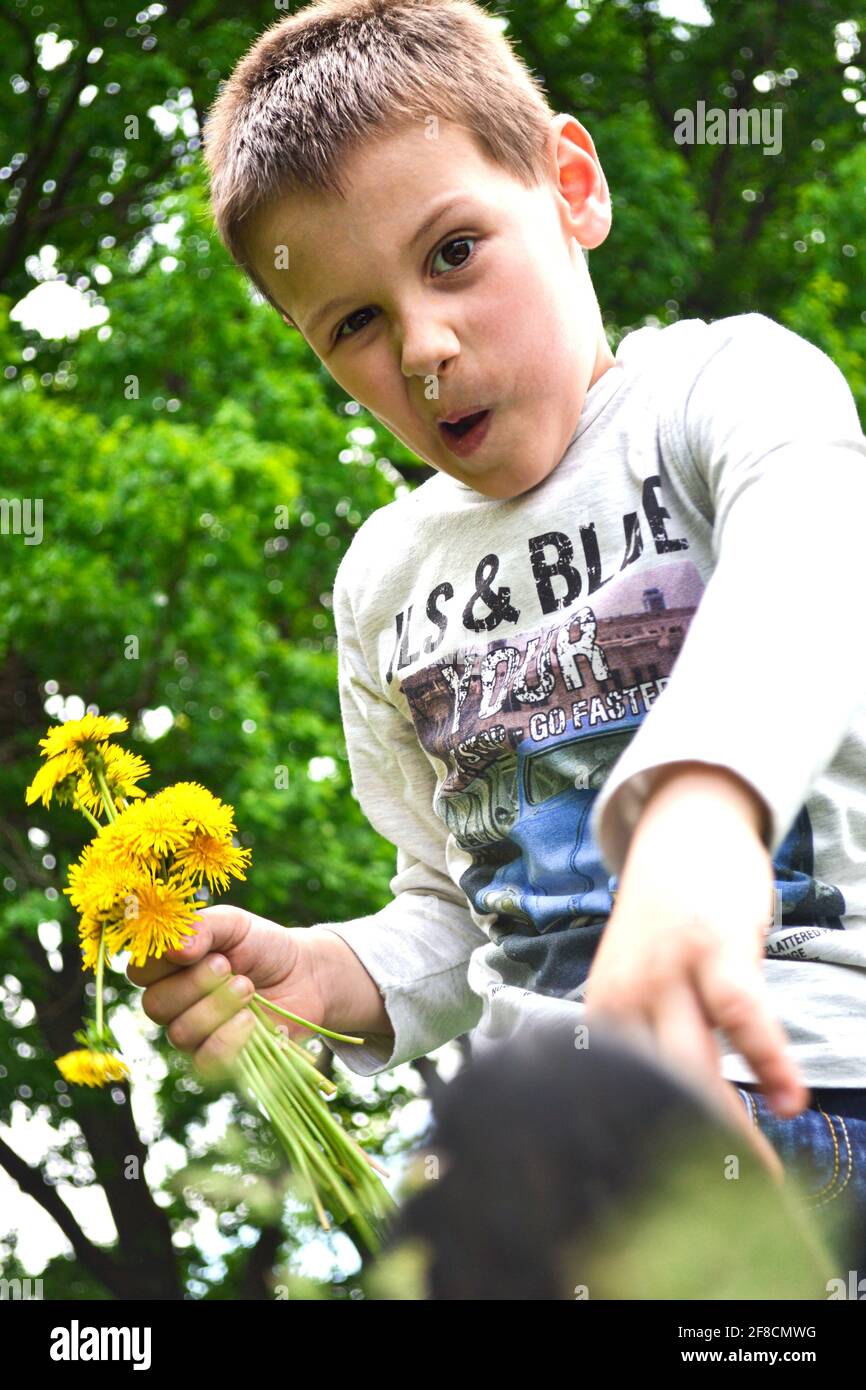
22	518
76	1343
20	1289
746	125
853	1288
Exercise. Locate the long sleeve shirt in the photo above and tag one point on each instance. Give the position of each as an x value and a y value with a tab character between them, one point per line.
685	585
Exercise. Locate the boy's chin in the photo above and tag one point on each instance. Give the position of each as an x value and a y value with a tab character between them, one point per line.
496	481
505	485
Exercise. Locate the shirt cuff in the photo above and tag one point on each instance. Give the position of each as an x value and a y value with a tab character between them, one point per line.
425	1011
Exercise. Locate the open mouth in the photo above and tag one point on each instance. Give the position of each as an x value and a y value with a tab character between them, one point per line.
465	425
465	435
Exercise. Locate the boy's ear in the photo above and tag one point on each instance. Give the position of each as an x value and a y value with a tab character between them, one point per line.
580	181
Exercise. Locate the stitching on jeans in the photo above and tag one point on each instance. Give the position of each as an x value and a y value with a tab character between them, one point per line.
835	1175
824	1195
841	1188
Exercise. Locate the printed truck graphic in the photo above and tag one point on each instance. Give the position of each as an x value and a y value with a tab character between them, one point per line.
523	731
546	871
554	875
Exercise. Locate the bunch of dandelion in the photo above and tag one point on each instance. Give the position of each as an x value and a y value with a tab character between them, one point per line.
136	887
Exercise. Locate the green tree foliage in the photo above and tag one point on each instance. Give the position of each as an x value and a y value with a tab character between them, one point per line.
201	476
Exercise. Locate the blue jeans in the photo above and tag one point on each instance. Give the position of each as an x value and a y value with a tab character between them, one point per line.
825	1147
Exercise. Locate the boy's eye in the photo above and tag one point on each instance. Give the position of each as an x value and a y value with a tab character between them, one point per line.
359	313
340	336
457	241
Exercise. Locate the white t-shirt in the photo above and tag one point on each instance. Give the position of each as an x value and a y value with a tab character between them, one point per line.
687	584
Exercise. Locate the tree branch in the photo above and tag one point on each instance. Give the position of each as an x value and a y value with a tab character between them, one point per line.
120	204
30	1180
36	165
650	74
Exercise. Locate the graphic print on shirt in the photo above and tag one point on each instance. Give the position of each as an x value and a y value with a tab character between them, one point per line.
525	729
805	906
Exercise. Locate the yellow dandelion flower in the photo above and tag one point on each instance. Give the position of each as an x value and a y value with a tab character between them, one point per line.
82	734
122	771
199	808
146	831
87	1067
96	882
89	932
213	858
56	778
158	919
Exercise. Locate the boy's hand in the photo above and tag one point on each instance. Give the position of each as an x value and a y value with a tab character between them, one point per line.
682	952
200	993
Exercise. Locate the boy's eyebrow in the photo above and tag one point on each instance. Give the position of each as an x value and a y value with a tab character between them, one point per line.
428	223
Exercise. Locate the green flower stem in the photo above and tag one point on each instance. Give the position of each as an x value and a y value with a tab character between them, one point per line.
295	1132
300	1143
276	1097
298	1090
111	813
344	1137
314	1027
331	1134
288	1045
338	1193
306	1128
302	1108
260	1087
311	1187
287	1086
308	1110
107	799
100	972
77	806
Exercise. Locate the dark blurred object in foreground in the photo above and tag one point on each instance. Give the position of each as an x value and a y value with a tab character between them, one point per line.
558	1173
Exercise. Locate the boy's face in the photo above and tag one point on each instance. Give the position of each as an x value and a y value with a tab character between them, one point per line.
490	307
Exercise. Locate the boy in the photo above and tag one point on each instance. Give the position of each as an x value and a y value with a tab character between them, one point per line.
582	831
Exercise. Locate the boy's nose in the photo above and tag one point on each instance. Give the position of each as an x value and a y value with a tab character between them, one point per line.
426	349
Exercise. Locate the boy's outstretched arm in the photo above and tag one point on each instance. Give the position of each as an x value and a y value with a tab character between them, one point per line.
682	952
766	444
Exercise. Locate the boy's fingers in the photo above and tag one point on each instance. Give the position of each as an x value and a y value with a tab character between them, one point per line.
216	1056
171	996
191	1028
682	1031
151	971
216	929
686	1040
681	1039
740	1010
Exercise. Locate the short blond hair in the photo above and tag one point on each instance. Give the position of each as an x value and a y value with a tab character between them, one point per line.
319	83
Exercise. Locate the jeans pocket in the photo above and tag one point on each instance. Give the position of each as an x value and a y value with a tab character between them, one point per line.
826	1153
816	1145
